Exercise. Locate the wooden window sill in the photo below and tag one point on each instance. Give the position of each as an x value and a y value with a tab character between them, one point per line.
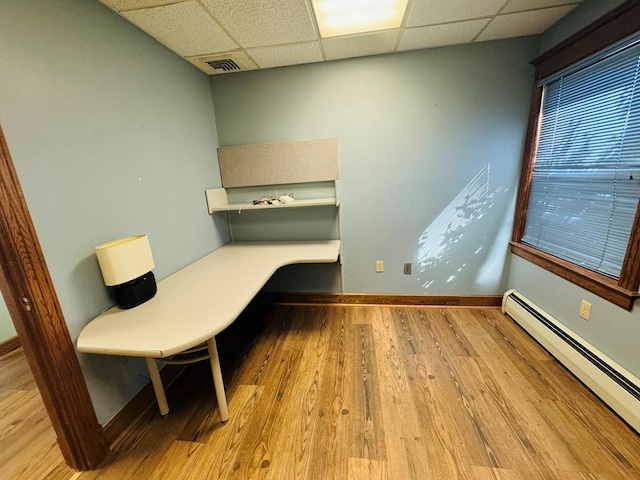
596	283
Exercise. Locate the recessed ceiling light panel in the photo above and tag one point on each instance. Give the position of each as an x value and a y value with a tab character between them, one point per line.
344	17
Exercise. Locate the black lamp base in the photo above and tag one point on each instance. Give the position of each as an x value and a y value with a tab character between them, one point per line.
135	292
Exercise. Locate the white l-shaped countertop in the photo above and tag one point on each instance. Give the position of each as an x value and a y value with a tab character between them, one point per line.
199	301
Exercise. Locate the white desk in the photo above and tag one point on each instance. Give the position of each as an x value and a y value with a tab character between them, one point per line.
195	304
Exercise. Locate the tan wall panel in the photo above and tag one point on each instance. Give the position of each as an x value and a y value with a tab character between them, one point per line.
277	163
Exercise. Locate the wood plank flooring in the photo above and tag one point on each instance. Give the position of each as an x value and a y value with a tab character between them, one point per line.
375	392
28	448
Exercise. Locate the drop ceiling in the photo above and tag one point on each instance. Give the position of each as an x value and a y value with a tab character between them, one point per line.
218	35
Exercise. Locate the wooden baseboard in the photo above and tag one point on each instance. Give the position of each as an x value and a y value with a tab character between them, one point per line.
383	299
10	345
131	413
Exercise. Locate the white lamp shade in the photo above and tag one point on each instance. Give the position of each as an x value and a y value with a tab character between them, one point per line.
124	259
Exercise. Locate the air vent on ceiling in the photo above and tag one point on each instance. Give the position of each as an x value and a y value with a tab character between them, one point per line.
222	63
225	64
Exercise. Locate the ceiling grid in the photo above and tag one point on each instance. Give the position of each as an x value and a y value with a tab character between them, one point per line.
258	34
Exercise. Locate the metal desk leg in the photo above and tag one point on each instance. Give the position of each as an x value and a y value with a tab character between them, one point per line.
156	381
217	379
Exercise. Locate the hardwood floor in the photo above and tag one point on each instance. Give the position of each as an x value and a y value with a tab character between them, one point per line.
371	392
28	448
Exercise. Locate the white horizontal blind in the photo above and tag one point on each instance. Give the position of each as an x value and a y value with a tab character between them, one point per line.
586	178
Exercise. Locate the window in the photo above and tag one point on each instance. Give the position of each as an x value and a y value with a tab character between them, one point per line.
586	175
577	212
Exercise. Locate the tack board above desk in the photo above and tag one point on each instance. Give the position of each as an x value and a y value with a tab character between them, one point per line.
302	161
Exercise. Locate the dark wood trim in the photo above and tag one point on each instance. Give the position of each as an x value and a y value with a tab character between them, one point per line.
612	27
600	285
10	345
526	170
129	416
609	29
382	299
630	273
35	311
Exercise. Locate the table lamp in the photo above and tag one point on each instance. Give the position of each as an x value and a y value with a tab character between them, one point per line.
126	265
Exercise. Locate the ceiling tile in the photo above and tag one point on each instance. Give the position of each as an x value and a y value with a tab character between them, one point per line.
440	35
121	5
360	45
274	33
432	12
183	27
522	5
520	24
281	55
256	23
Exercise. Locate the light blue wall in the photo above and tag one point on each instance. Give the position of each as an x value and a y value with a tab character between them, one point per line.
111	135
611	329
414	130
6	326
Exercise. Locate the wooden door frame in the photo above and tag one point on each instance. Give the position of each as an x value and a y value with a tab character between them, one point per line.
32	302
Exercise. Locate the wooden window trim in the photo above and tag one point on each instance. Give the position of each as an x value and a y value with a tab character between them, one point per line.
612	27
601	285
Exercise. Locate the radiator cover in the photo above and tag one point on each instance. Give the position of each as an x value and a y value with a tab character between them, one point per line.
616	386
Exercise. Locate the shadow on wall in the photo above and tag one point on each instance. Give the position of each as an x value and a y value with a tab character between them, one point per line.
466	244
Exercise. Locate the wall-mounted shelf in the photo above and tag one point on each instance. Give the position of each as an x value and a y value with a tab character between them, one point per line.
230	200
215	205
307	170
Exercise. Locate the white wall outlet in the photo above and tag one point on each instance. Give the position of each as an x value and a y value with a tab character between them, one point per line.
379	266
585	309
407	268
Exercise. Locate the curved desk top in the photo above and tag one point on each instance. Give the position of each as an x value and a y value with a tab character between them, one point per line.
199	301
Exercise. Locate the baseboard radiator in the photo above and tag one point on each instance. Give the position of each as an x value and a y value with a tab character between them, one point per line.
616	386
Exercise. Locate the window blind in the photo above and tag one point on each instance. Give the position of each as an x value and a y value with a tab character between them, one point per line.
586	178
